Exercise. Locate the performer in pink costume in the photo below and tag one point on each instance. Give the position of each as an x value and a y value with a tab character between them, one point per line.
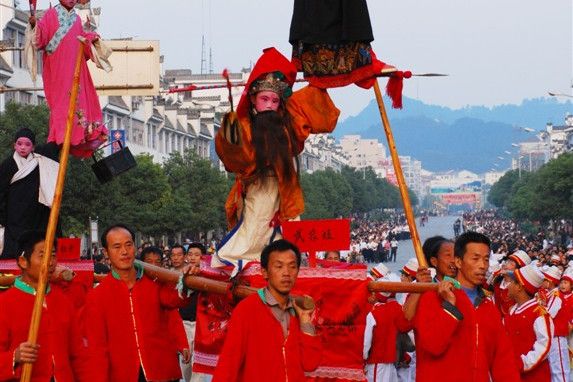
56	33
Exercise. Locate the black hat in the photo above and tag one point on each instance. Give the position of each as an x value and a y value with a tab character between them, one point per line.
26	133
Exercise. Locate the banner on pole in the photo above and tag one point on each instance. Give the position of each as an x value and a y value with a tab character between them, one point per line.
318	235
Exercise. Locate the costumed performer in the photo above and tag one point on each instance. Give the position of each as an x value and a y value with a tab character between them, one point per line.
27	187
260	144
56	33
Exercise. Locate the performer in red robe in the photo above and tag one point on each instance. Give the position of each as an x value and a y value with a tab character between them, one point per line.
125	319
529	325
59	354
260	144
459	334
266	340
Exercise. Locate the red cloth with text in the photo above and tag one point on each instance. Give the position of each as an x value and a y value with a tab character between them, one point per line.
340	296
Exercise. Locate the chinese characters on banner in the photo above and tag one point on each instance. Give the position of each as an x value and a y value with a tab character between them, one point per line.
318	235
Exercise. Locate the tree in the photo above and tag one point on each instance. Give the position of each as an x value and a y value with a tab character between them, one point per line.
17	116
327	195
199	193
137	198
500	192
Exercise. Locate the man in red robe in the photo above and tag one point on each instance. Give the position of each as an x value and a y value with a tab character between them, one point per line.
269	337
125	318
58	353
459	333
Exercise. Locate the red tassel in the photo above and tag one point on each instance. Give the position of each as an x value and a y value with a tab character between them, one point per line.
394	87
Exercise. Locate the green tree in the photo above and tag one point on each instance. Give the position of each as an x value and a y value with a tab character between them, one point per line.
137	197
501	191
16	116
199	193
327	195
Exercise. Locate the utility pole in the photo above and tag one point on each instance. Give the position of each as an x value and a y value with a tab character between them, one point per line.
210	60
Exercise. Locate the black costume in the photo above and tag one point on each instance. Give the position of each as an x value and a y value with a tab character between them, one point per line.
20	210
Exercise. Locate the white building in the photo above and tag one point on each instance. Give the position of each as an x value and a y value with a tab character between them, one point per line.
491	177
363	153
322	152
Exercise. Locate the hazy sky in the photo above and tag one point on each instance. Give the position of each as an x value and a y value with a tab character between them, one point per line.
495	51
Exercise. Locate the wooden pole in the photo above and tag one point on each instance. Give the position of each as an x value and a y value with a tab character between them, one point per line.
54	214
400	177
211	286
400	287
60	274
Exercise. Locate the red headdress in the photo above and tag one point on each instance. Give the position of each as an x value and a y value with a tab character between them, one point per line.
271	61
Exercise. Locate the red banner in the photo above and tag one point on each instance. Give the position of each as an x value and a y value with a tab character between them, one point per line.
68	248
318	235
460	198
340	296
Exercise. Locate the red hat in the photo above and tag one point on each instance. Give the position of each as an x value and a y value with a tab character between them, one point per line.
271	61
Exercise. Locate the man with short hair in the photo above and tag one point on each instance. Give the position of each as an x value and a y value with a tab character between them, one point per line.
125	318
177	257
459	327
269	337
332	256
58	353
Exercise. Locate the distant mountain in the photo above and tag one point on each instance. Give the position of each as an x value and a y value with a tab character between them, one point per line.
470	138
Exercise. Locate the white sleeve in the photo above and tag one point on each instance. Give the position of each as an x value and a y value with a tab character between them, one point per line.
554	305
544	329
370	324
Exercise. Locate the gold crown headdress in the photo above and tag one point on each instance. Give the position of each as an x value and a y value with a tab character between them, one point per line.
272	82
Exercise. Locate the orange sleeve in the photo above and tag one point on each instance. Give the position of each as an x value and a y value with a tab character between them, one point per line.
312	112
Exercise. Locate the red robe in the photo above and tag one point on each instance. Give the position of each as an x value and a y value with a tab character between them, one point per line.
467	349
128	329
256	350
61	352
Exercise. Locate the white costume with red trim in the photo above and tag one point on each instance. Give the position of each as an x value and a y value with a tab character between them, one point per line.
531	329
559	307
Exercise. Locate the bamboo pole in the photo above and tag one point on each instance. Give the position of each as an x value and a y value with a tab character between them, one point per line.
400	287
54	214
4	89
400	177
211	286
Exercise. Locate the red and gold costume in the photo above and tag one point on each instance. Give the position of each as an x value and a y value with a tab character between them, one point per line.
530	329
255	208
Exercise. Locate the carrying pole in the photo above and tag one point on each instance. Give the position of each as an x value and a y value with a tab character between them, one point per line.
400	177
54	214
